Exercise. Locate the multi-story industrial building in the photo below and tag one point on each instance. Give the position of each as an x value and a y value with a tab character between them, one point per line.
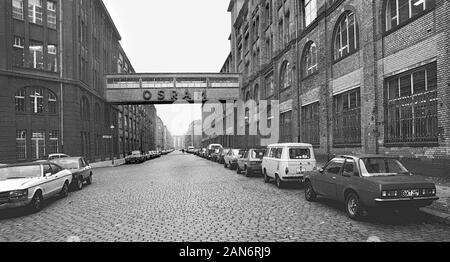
193	135
53	58
350	76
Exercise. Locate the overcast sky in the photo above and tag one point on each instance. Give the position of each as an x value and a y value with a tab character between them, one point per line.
162	36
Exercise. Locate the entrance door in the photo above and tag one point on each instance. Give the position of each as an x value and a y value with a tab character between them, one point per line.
37	145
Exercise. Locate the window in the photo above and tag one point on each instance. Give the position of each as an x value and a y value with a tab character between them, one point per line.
85	109
35	11
37	100
51	14
37	144
299	153
17	6
20	100
36	55
349	168
97	114
412	107
287	30
285	75
310	11
21	144
270	88
286	127
346	36
399	12
256	94
53	143
310	59
52	64
347	119
310	124
52	103
334	167
18	48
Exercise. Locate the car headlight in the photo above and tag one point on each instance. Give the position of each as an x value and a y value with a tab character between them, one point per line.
18	194
389	193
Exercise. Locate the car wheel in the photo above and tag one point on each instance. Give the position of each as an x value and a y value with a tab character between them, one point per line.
230	165
79	184
310	194
89	180
238	170
225	165
65	190
353	206
247	172
278	181
36	203
266	177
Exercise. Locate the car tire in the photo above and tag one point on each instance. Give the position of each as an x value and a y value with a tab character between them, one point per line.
353	206
225	165
89	180
230	165
238	170
36	203
279	182
65	190
310	194
79	184
266	177
247	172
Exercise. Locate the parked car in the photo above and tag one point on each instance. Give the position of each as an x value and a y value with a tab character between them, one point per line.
80	168
190	150
221	155
369	182
135	157
28	185
288	162
251	162
215	155
56	156
211	150
202	153
230	160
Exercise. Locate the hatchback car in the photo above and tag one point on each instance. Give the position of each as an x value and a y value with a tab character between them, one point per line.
288	162
369	182
230	159
28	185
80	168
250	162
221	156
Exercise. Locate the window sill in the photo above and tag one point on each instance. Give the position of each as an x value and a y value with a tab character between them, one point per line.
350	145
412	144
346	56
310	75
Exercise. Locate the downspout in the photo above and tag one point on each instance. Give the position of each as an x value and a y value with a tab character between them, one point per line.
375	69
299	68
61	75
327	83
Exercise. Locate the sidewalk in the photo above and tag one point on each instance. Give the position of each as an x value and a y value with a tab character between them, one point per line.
103	164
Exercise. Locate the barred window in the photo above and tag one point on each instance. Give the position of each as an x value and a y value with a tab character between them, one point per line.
286	127
412	105
21	144
310	124
51	14
18	48
36	52
37	144
17	9
20	100
35	11
347	119
400	12
346	36
37	100
53	146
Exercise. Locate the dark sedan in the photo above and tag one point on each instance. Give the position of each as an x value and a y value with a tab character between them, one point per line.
368	182
80	168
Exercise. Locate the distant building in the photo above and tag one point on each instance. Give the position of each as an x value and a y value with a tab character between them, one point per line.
193	135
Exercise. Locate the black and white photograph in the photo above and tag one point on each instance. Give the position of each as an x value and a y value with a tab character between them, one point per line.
224	121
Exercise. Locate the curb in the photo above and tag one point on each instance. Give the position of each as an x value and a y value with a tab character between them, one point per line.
441	217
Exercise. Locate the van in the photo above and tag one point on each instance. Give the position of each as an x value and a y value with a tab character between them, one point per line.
288	162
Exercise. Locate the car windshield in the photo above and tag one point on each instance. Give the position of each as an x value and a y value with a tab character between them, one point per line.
382	167
68	163
299	153
20	172
257	154
136	153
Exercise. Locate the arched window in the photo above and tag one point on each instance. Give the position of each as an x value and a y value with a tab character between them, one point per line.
346	37
85	109
97	113
285	75
247	96
256	93
310	59
20	100
52	103
37	100
399	12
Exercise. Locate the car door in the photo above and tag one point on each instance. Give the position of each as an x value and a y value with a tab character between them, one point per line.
87	168
326	181
51	182
242	160
344	179
59	176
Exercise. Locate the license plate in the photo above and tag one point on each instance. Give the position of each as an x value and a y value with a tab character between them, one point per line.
410	193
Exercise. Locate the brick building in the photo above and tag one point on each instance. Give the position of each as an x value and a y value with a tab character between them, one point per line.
53	56
351	76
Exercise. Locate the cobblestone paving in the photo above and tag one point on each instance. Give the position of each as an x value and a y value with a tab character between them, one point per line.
185	198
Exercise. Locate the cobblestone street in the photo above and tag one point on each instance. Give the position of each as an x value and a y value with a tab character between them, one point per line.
185	198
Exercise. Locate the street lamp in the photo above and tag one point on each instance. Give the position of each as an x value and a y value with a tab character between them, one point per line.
112	127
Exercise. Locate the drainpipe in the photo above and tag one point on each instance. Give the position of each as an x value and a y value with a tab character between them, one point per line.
60	44
327	85
299	68
376	100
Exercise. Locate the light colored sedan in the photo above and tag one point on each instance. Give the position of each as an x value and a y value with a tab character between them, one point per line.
28	185
231	158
